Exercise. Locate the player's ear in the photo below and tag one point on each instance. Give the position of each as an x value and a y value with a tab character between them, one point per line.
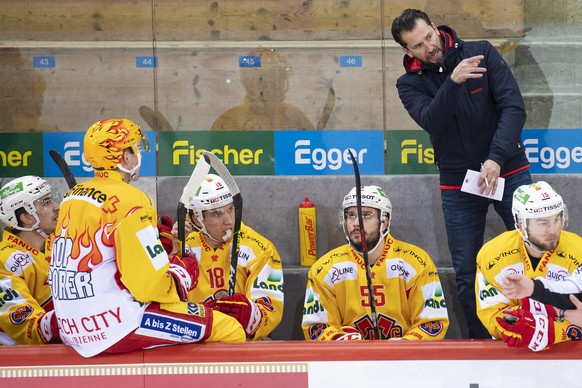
26	219
197	223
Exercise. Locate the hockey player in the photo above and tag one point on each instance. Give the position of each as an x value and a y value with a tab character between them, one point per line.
258	301
539	247
29	210
114	287
407	292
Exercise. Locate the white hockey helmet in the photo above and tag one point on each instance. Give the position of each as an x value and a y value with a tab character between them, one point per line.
212	194
374	197
536	200
21	193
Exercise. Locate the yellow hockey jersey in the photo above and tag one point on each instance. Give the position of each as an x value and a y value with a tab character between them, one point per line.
406	289
25	294
259	274
507	254
107	263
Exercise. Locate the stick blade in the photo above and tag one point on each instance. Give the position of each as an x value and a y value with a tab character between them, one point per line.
64	167
198	175
155	119
327	109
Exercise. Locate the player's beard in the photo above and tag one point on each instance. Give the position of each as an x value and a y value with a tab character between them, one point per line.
544	246
371	240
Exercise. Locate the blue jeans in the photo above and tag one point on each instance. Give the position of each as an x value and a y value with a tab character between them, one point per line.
465	218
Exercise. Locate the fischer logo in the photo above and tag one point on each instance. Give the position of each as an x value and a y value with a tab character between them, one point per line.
74	157
411	152
183	151
319	158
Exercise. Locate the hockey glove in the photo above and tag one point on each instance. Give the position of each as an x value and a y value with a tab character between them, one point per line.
348	334
185	273
48	328
242	309
538	308
522	329
165	231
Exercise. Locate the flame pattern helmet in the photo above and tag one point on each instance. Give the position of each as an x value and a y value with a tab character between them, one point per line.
536	200
21	193
106	139
212	194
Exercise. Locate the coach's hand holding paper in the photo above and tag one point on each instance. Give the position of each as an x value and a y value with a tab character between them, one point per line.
482	186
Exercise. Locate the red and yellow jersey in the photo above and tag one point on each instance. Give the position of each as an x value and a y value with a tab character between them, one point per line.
107	263
259	274
406	289
506	254
25	294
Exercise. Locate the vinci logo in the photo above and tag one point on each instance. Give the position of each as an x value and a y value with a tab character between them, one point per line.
70	146
326	152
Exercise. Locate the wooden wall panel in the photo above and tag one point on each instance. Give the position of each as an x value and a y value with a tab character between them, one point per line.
245	20
193	85
198	43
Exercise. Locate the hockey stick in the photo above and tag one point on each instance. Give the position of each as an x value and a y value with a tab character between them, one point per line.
327	108
64	167
364	245
237	201
200	171
155	119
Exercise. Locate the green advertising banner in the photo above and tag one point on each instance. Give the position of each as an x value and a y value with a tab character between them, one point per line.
409	152
21	154
243	152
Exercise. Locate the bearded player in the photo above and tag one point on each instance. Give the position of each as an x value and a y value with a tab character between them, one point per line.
539	247
407	292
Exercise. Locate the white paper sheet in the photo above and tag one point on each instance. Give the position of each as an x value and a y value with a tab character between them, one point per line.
471	186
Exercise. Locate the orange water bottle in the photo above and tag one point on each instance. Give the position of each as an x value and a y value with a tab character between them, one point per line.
307	233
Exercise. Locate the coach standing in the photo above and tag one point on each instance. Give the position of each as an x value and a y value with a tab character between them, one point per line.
465	96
